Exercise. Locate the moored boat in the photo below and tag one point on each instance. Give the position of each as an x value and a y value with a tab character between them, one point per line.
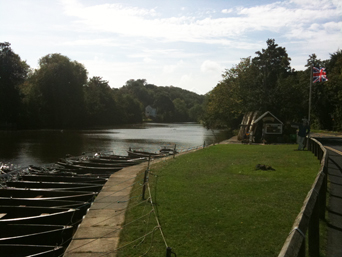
15	250
77	179
39	215
56	185
34	234
107	164
47	194
85	169
143	154
43	202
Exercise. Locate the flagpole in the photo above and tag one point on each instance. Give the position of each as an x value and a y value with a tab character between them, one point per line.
310	93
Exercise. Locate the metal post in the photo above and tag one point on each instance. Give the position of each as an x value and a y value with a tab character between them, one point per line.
310	94
174	152
324	189
146	177
309	144
144	184
169	252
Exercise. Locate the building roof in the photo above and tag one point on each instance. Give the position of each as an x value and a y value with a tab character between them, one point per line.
263	115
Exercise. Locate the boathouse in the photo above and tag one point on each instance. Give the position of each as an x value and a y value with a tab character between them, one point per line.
266	127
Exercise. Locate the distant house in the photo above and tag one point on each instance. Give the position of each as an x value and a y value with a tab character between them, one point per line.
150	112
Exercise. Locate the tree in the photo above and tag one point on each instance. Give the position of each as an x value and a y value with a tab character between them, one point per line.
223	107
165	107
181	110
196	112
273	64
138	90
130	108
100	105
252	85
60	83
13	72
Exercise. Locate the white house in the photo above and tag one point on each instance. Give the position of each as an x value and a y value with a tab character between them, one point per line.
150	112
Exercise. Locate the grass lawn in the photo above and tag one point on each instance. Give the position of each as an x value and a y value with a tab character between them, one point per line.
213	202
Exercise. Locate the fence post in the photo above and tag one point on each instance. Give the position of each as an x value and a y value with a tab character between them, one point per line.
174	152
144	185
169	252
314	232
145	178
323	192
309	144
302	250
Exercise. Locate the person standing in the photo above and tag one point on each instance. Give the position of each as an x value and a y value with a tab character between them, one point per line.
303	131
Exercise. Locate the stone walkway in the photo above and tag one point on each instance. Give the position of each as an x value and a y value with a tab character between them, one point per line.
98	234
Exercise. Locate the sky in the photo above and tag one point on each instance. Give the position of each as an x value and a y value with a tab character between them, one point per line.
180	43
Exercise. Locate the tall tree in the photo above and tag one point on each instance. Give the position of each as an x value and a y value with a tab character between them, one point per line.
13	72
130	108
100	105
273	64
60	82
165	107
181	111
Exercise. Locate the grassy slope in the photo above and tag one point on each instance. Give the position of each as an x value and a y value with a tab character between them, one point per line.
214	203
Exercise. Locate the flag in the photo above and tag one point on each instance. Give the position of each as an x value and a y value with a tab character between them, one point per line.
319	75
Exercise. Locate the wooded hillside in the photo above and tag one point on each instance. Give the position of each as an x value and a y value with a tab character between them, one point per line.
60	95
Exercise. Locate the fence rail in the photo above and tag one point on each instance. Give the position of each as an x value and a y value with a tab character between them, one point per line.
313	209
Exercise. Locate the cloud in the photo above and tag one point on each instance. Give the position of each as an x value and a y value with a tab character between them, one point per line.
227	11
279	17
149	60
211	66
94	42
173	67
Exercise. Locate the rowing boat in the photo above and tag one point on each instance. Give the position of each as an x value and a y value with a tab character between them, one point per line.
35	234
15	250
48	194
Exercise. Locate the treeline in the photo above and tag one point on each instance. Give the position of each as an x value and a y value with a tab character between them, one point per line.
60	95
268	83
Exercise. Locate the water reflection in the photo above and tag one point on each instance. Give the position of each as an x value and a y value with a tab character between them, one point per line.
40	147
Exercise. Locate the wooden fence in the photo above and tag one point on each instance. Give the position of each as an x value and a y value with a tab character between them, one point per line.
305	229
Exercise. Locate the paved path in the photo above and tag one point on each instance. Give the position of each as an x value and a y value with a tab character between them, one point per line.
334	209
98	234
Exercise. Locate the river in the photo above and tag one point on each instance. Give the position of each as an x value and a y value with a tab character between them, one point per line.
43	147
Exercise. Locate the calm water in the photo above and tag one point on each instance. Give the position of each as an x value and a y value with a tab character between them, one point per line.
41	147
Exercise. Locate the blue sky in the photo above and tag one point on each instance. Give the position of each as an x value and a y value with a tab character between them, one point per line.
185	44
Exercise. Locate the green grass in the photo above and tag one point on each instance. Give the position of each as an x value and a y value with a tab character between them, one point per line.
214	203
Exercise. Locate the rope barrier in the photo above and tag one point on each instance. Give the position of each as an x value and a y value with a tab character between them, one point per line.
118	249
161	231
